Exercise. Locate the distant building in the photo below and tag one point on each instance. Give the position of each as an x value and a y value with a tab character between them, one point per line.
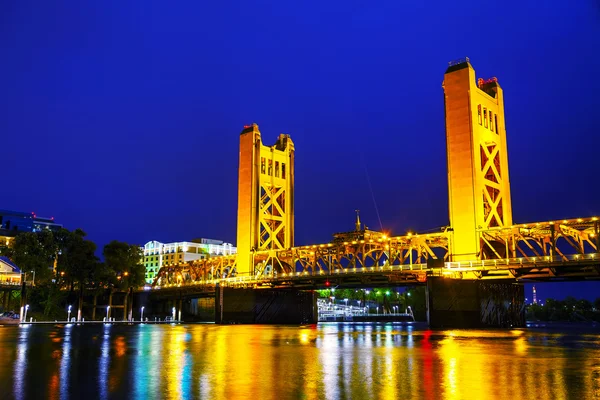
15	222
157	254
10	274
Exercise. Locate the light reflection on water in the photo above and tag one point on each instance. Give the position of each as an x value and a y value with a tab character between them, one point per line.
330	361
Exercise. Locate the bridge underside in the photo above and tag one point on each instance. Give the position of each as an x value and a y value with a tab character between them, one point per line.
455	303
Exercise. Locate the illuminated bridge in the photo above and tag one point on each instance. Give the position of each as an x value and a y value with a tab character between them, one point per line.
473	268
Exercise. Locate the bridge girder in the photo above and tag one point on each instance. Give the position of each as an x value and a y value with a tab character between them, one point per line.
566	249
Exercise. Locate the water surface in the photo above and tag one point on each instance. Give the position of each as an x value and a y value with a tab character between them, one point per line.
325	361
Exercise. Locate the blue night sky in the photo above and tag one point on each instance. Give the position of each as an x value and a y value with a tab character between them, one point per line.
123	117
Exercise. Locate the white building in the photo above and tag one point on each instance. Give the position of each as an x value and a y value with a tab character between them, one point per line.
157	254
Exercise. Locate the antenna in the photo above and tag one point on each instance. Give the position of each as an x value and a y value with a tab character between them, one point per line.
357	220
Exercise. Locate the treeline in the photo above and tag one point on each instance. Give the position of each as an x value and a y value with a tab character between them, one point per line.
569	309
63	262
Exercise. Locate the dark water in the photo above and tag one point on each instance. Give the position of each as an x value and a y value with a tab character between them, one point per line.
328	361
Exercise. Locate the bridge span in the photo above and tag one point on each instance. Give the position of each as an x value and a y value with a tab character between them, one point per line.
473	268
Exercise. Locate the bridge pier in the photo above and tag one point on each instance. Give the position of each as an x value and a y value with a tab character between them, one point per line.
470	304
265	306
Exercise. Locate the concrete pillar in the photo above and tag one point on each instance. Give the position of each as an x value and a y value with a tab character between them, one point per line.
265	306
454	303
125	306
80	305
94	306
110	297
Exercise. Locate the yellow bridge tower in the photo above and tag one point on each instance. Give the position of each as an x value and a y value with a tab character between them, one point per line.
478	183
265	197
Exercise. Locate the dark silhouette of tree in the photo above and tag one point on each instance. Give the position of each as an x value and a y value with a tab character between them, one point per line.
126	262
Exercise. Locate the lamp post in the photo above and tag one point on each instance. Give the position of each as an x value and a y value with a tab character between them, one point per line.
25	314
69	314
142	314
173	313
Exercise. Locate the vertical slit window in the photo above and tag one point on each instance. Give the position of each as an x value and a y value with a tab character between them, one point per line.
491	121
479	114
270	168
262	165
496	123
485	117
283	170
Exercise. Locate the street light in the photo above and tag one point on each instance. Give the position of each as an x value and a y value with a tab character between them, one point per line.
142	314
173	313
25	314
33	282
69	313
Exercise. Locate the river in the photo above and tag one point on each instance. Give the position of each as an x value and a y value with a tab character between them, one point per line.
325	361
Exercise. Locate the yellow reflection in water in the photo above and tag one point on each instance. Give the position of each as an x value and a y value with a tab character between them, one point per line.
174	363
319	362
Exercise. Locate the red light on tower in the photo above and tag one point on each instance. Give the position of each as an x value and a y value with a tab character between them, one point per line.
327	283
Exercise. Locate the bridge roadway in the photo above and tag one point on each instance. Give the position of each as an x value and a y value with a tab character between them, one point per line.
553	250
575	267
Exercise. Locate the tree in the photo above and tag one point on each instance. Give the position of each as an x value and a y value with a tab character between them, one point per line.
34	251
126	262
76	260
597	304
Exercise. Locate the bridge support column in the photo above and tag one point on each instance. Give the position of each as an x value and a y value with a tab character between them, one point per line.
453	303
265	306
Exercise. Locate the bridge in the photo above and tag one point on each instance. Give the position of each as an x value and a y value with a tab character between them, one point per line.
472	267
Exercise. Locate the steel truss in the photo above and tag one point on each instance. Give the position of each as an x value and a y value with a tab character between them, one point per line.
567	248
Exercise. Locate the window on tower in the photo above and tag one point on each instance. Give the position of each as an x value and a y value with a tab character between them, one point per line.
262	165
496	122
479	114
485	123
491	123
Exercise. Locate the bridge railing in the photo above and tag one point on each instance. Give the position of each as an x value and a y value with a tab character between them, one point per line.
476	265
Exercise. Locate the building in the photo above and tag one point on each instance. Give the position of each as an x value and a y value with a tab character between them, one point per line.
15	222
10	274
157	254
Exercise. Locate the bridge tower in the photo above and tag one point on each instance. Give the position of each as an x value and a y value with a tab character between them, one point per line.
478	182
265	197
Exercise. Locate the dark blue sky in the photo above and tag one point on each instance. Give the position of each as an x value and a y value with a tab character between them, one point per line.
123	117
